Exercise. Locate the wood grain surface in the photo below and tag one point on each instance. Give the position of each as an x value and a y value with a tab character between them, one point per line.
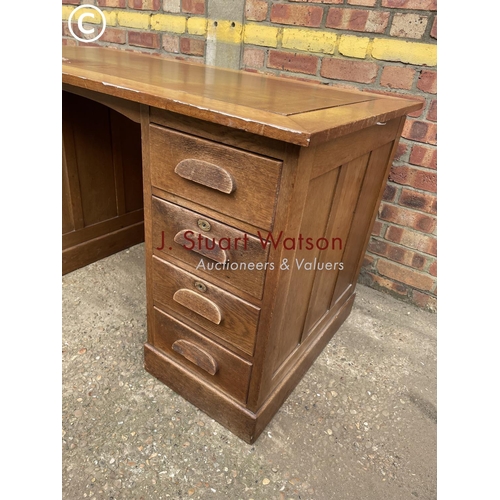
287	110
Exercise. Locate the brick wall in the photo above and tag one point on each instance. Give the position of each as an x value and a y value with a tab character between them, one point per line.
383	46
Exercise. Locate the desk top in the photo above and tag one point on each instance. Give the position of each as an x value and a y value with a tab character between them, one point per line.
288	110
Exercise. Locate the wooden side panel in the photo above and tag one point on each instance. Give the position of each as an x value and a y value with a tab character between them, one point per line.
369	200
314	221
93	148
68	223
95	249
102	182
129	147
343	183
346	197
332	154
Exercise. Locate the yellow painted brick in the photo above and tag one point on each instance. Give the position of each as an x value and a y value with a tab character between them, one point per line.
66	11
133	20
110	17
354	46
167	22
197	26
96	19
258	34
309	40
225	32
407	52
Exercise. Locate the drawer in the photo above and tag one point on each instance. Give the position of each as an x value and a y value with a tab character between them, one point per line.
210	361
227	253
240	184
205	304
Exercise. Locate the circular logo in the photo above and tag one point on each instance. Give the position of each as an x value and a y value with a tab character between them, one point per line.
81	20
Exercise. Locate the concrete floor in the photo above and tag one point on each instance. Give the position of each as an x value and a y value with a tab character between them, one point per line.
360	425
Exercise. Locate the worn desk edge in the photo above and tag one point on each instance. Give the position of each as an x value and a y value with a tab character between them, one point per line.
303	129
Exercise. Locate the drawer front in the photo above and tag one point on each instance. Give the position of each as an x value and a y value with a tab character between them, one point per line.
231	255
206	305
236	183
210	361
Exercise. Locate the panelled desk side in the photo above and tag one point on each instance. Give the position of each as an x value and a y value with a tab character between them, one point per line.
228	154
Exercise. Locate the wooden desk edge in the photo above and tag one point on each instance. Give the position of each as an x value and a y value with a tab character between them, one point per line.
302	129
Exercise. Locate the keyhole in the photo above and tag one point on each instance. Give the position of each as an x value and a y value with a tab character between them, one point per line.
204	225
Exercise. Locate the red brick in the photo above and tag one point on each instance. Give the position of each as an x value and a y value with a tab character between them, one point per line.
407	218
377	246
77	32
418	201
401	151
192	46
112	3
427	82
368	261
412	239
253	58
406	257
256	10
433	268
300	15
411	4
420	131
423	156
114	35
377	228
69	41
144	4
389	192
193	6
364	3
424	300
353	71
397	77
71	2
405	275
318	1
409	176
434	29
397	254
370	21
170	43
288	61
432	113
417	261
141	39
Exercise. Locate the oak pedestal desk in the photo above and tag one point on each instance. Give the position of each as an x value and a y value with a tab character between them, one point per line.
259	194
